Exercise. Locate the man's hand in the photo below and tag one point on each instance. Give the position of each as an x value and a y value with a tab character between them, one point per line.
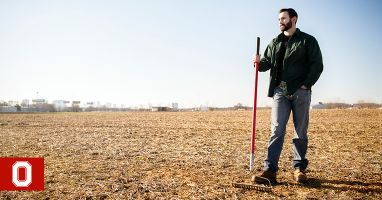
304	87
255	59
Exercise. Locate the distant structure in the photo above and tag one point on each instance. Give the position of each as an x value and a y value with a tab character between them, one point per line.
39	105
90	104
160	109
38	101
203	108
13	103
25	103
76	106
61	105
175	107
241	107
8	109
320	105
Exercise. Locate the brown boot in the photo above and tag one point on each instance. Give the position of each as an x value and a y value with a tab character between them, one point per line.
264	177
300	176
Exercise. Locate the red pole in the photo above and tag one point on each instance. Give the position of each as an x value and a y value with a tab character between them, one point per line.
252	157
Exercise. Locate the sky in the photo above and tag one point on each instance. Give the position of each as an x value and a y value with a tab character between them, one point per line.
193	52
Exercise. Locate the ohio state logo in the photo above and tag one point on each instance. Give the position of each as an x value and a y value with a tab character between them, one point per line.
21	173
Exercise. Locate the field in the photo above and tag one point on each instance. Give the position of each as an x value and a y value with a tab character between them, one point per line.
191	155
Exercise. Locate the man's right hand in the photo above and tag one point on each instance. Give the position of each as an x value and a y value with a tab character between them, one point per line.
255	59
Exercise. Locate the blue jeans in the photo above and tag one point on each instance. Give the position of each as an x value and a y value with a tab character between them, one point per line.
299	104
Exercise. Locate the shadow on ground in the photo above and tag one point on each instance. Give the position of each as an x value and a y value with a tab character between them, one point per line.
344	185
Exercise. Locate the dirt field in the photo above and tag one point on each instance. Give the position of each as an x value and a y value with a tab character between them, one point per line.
191	155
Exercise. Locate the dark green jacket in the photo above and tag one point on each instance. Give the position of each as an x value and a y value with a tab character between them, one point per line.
302	62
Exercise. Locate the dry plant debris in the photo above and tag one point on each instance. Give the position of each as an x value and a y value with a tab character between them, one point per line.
191	155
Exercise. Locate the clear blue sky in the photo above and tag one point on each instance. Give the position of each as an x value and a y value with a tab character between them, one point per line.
188	51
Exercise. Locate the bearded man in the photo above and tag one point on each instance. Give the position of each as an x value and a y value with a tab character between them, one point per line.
295	63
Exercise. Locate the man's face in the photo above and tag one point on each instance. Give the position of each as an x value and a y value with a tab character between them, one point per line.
285	21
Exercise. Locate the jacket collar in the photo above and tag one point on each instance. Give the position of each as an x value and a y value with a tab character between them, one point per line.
296	34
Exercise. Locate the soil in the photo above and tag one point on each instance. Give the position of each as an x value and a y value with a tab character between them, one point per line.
191	155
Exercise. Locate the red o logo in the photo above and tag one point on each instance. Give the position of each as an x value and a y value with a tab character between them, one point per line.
23	165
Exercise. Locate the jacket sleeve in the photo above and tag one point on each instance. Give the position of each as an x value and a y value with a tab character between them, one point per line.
265	61
315	61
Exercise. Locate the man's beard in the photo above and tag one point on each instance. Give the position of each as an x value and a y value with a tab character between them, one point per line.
287	26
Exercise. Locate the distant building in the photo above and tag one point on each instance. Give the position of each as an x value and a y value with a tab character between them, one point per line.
13	103
25	103
90	104
76	106
8	109
175	107
61	105
204	108
39	101
160	109
320	105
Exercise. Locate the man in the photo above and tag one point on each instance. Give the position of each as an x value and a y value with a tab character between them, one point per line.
295	61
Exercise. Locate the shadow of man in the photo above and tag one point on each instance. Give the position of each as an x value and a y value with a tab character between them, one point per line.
343	185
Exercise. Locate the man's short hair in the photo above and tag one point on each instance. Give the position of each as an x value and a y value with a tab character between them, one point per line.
291	12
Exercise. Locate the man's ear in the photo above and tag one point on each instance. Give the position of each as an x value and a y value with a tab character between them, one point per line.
294	19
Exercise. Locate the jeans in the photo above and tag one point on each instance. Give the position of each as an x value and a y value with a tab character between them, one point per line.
299	104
